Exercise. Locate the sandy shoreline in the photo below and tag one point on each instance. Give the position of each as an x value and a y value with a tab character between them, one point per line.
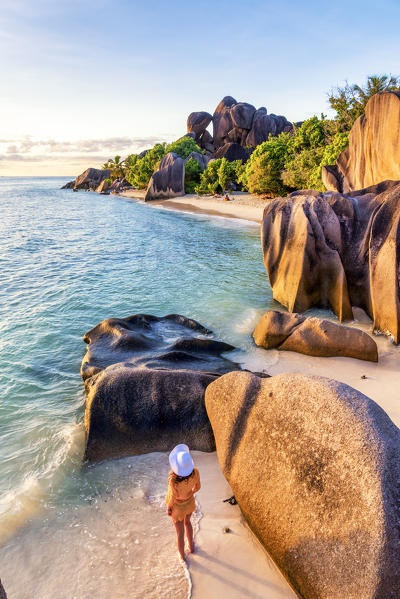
235	565
242	205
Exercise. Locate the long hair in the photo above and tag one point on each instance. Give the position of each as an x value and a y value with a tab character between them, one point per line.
179	479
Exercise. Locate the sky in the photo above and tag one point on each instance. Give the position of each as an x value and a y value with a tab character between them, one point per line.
82	81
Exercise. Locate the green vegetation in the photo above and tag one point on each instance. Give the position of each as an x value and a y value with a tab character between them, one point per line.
193	172
117	167
184	146
262	172
349	102
315	142
295	161
279	165
219	174
139	168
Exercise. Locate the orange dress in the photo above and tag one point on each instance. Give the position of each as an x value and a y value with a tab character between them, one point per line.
180	496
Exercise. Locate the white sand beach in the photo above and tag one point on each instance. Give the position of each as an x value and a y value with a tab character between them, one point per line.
233	564
241	205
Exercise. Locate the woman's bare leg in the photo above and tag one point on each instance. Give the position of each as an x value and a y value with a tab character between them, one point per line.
189	532
180	533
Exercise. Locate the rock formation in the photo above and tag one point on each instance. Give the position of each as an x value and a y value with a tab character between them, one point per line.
104	187
69	185
169	180
197	123
90	179
119	185
145	392
373	153
236	123
338	251
315	468
313	336
232	151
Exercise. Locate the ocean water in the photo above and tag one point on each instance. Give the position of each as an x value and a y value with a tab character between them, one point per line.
67	261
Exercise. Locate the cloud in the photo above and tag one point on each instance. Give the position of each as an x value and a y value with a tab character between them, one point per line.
109	144
29	155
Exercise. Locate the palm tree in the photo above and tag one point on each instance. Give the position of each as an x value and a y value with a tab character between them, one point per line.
349	101
117	167
375	85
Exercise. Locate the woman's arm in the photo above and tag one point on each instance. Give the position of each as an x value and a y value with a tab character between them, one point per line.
197	485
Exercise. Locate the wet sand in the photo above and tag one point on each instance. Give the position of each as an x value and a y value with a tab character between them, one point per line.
233	564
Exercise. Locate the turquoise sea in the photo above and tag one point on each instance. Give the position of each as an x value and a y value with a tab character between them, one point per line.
67	261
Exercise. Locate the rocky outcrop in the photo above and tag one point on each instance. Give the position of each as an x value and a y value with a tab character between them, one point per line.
235	123
198	122
373	153
265	125
338	251
69	185
313	337
232	151
104	187
315	468
90	179
169	180
302	245
145	379
120	185
202	159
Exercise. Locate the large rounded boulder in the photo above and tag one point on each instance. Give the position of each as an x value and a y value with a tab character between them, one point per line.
145	378
315	468
222	120
337	251
169	180
198	122
373	153
90	179
302	244
313	336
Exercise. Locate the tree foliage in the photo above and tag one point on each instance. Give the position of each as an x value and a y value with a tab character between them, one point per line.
349	102
262	172
141	168
218	176
184	146
193	171
289	161
117	167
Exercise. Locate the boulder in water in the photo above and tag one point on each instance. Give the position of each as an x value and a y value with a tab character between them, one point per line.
145	378
315	468
91	178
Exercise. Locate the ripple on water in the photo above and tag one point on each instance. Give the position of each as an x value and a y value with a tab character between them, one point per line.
69	260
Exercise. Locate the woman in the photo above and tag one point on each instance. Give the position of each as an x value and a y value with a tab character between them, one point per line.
183	483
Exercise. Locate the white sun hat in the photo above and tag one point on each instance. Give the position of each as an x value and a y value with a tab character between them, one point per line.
181	461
